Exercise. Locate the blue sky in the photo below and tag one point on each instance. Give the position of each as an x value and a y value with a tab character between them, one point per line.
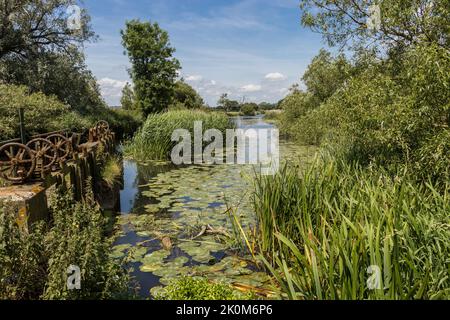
252	49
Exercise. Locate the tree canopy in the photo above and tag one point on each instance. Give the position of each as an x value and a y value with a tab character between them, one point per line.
153	67
128	100
30	27
391	23
187	96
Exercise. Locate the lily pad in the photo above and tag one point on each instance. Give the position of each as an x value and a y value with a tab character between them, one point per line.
157	291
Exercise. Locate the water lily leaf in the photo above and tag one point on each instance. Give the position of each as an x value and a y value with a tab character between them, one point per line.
167	272
144	234
116	254
122	247
156	257
136	254
205	258
150	267
157	291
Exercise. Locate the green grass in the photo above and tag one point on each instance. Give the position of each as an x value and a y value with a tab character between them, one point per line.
319	231
153	140
111	171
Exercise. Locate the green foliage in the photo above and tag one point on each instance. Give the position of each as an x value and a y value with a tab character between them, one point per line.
188	288
392	112
321	230
128	99
153	67
396	119
402	23
60	93
34	265
273	116
295	106
64	75
154	140
249	109
47	58
267	106
111	171
228	105
187	96
22	262
41	112
325	75
76	238
46	113
30	27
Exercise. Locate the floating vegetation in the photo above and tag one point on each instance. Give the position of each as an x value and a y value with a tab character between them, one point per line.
187	207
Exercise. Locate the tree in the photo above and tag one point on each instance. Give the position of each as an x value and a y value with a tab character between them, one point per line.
227	104
267	106
187	96
222	101
127	100
153	69
40	47
30	27
391	23
249	109
64	75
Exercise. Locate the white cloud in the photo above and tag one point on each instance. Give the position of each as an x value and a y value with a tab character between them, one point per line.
111	89
251	88
194	78
275	76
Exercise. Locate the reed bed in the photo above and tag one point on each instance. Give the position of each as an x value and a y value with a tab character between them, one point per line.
341	232
153	140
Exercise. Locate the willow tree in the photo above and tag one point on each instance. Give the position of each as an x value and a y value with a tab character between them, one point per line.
30	27
391	23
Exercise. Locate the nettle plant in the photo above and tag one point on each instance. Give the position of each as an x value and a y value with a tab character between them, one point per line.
35	265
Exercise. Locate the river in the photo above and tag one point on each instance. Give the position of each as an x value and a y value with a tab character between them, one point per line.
164	208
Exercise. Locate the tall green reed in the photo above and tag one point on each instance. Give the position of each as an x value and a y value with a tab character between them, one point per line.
153	140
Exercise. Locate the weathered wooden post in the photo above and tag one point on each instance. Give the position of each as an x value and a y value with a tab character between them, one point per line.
22	126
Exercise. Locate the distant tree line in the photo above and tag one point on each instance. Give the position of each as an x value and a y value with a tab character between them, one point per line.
246	108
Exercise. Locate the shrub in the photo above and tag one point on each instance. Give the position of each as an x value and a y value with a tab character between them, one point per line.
188	288
394	113
153	140
400	119
185	95
34	265
111	171
22	259
46	113
249	109
41	112
295	106
272	115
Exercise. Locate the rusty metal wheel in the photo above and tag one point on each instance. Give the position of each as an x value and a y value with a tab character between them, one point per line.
102	128
17	162
45	153
63	146
103	125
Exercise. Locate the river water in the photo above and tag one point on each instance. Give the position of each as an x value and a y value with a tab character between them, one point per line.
165	210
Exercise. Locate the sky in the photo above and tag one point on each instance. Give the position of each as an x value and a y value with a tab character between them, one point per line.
254	50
